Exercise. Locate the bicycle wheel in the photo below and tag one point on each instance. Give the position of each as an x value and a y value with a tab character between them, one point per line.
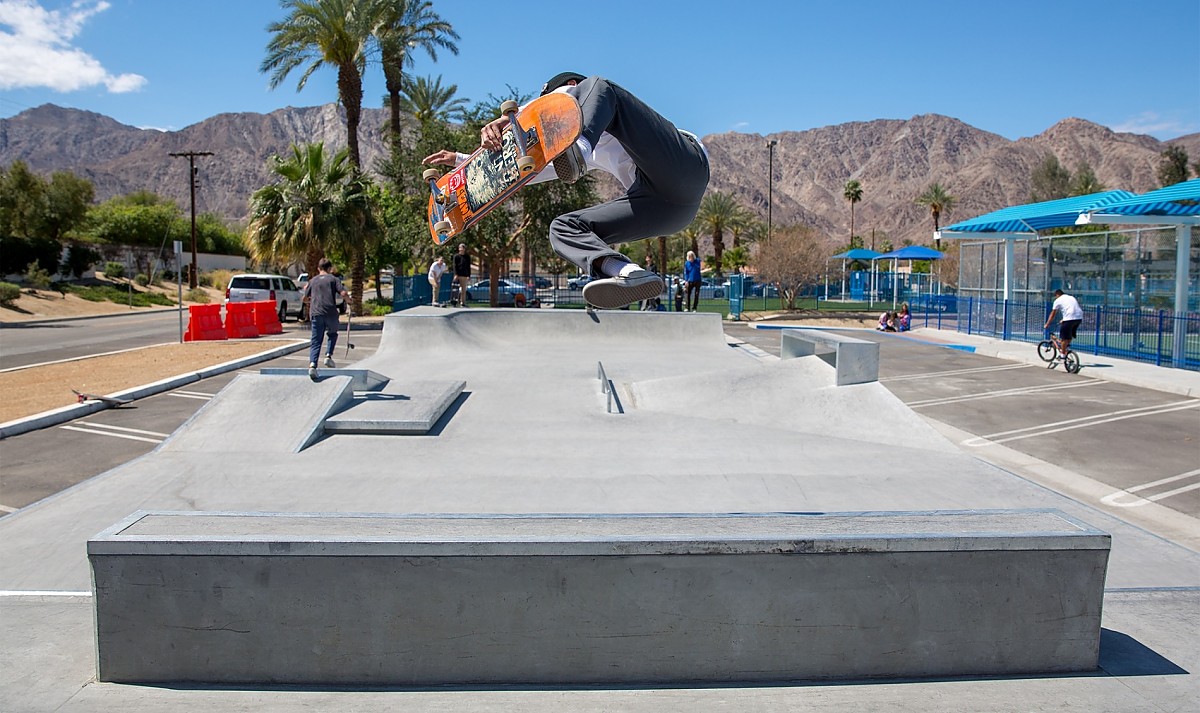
1071	360
1047	350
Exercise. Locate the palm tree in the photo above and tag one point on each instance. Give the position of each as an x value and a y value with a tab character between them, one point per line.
318	33
938	201
718	213
401	26
853	193
318	204
426	100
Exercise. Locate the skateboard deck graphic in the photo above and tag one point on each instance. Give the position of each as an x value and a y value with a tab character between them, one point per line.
486	179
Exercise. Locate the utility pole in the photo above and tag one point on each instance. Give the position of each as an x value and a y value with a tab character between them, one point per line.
191	157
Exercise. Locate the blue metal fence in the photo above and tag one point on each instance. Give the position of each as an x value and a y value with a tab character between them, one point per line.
1139	334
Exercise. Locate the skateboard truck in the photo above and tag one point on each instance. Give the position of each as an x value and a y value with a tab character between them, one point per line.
442	226
525	162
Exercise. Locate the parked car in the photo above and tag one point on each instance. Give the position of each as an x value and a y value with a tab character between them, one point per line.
259	288
303	283
577	282
710	289
508	292
754	289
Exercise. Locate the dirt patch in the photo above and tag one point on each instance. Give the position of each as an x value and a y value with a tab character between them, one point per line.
50	304
36	389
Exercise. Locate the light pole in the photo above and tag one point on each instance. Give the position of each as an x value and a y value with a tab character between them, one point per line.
770	184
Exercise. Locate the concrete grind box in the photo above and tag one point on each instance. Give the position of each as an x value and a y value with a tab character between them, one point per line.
253	598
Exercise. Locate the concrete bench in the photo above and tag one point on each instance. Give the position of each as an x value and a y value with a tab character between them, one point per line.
856	360
240	598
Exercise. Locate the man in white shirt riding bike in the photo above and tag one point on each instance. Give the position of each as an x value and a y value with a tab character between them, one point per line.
1067	308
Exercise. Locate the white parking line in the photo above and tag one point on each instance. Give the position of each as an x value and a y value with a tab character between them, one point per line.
1019	391
955	372
37	593
100	429
191	395
5	508
1140	501
1047	429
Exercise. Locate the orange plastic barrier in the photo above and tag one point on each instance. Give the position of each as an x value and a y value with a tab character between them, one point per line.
239	320
204	322
266	318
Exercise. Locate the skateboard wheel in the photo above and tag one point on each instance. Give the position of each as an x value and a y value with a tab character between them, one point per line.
525	164
431	174
508	107
442	228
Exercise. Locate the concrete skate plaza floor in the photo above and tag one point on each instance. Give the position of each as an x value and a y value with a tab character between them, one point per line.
707	428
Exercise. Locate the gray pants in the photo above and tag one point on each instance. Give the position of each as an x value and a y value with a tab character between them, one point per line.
671	177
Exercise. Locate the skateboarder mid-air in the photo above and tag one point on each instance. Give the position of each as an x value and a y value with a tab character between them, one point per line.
663	169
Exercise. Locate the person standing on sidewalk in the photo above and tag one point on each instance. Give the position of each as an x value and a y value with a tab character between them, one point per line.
321	294
663	169
436	270
1067	308
462	274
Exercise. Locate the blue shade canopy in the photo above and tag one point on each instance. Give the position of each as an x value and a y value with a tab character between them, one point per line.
1033	217
912	252
856	254
1179	199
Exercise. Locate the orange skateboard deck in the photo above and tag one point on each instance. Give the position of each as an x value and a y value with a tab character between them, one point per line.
459	199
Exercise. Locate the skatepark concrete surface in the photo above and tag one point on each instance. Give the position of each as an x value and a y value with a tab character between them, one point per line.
709	426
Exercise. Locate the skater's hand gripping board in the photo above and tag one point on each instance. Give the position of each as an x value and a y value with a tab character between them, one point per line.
486	179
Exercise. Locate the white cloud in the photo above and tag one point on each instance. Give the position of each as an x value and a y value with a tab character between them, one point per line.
1150	123
36	50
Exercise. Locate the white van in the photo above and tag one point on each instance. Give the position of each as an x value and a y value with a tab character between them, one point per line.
258	288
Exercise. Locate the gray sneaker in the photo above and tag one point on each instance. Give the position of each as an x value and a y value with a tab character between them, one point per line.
570	165
616	292
312	371
329	361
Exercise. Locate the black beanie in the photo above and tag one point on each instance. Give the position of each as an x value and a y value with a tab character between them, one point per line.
560	79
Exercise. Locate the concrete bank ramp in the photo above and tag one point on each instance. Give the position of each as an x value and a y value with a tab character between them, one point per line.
795	394
263	413
431	330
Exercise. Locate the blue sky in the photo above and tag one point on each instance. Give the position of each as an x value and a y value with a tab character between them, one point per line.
1014	68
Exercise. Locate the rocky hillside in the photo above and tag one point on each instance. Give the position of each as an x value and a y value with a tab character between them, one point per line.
894	160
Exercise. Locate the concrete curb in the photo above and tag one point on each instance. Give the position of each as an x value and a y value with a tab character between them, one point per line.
70	413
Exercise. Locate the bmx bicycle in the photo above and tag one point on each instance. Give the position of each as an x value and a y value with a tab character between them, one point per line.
1050	351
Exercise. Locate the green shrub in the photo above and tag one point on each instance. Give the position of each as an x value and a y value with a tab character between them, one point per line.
198	296
142	279
36	277
114	270
79	259
9	293
108	293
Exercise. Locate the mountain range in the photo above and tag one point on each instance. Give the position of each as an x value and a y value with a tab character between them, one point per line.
894	161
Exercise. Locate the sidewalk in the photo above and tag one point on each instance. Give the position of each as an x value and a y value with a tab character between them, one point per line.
1122	371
